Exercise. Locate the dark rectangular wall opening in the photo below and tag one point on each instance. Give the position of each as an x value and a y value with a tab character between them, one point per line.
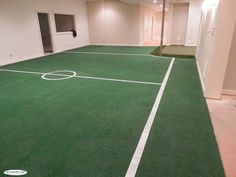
45	32
64	23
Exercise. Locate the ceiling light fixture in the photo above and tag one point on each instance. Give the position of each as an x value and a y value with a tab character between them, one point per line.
154	1
207	4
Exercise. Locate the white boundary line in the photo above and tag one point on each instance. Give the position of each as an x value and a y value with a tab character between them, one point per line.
120	54
82	77
119	80
133	166
24	72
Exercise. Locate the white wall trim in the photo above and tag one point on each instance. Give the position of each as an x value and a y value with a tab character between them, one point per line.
173	43
228	92
190	45
201	78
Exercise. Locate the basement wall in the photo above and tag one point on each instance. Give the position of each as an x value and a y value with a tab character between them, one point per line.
20	37
230	76
113	22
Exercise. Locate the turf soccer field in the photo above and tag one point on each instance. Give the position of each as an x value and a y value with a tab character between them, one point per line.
106	112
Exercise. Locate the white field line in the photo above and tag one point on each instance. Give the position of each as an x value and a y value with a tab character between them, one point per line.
119	80
133	166
82	77
121	54
24	72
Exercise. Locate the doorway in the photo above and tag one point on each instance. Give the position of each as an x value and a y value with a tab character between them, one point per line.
45	32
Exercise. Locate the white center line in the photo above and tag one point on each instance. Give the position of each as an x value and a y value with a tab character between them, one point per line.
83	77
133	166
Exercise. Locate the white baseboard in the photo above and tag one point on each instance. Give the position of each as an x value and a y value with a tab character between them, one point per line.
228	92
189	45
182	44
201	78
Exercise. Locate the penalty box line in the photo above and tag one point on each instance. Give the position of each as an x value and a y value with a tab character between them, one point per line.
134	164
82	77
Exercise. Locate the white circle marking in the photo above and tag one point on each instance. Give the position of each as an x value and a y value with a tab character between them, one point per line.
63	76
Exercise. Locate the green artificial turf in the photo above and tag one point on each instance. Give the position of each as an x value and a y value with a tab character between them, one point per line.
116	49
71	128
141	68
182	141
75	127
90	128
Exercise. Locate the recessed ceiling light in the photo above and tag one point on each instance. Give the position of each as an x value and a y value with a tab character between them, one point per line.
154	1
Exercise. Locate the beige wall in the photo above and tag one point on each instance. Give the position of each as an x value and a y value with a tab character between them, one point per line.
194	16
19	27
179	23
152	32
96	16
113	22
214	46
168	25
230	77
147	29
206	42
157	30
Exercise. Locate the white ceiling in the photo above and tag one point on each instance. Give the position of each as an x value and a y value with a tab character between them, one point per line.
150	3
140	1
